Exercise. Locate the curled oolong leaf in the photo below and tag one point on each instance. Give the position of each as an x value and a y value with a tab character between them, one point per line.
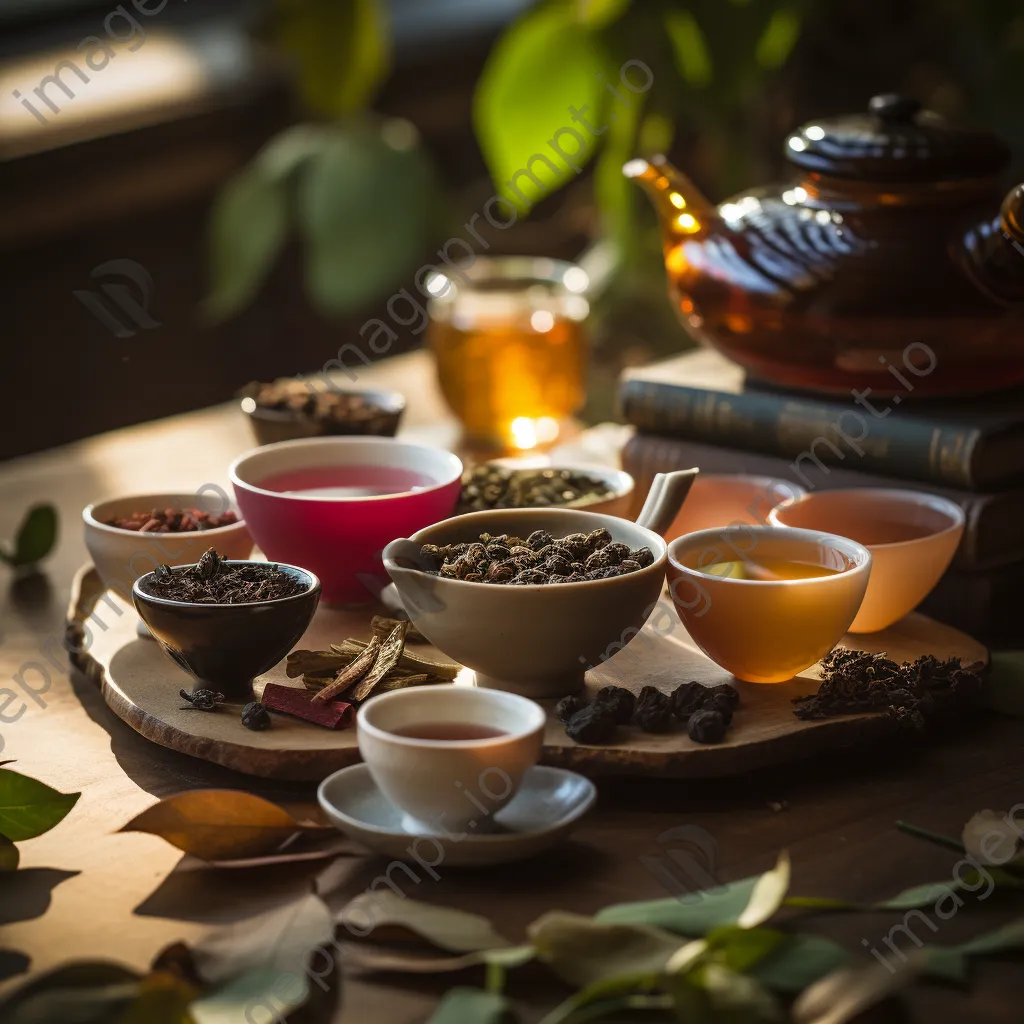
592	725
706	727
621	701
255	716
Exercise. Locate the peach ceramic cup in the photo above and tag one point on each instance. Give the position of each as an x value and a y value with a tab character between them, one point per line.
912	537
720	499
340	539
766	631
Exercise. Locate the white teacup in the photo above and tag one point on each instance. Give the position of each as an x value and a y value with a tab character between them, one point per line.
449	784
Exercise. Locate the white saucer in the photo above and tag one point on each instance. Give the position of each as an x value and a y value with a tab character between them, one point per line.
546	809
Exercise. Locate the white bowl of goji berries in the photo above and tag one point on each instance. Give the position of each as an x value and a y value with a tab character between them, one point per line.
128	537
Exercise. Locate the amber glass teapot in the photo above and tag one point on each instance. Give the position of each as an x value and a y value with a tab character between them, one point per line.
888	253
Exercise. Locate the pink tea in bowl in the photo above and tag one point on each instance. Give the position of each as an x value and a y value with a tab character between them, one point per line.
331	504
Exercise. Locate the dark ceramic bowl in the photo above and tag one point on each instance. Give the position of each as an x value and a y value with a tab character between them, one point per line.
270	425
227	645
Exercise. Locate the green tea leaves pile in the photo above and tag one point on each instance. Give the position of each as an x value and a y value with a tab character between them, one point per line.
539	559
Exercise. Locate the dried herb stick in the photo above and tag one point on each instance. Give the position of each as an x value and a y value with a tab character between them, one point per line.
355	671
390	651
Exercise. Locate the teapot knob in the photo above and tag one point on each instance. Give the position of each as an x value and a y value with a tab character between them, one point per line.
893	108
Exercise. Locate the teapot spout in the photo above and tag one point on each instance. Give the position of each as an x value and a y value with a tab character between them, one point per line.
994	251
682	209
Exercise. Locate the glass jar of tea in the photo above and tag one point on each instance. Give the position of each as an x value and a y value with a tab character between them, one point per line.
508	337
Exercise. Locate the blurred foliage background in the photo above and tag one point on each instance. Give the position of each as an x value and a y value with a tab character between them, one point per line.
730	79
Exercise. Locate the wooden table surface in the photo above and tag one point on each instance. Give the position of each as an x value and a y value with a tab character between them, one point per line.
84	891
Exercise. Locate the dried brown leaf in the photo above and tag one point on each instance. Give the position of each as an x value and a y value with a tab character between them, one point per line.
218	824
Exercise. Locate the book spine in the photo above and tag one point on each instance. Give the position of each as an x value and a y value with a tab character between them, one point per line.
873	438
992	536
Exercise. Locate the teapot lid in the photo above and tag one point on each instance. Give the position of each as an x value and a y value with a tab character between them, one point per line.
896	141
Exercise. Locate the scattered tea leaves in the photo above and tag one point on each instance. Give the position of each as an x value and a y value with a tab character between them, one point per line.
96	992
9	856
991	838
262	960
583	951
215	580
471	1006
382	626
35	538
28	807
712	909
845	994
1003	687
218	824
397	919
798	962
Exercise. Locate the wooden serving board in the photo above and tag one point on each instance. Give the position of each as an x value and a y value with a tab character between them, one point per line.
140	684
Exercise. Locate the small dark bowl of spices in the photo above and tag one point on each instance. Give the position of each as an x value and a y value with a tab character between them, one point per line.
224	621
285	409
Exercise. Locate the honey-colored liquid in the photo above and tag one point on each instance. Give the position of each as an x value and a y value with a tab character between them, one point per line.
509	384
780	568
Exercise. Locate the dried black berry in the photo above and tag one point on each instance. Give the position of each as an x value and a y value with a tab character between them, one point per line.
720	702
653	711
255	716
621	700
594	724
706	727
688	698
202	700
729	693
568	706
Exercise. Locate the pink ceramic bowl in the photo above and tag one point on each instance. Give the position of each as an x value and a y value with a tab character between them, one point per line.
323	514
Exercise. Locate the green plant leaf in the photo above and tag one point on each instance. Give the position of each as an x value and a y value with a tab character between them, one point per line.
90	992
582	951
739	949
736	998
767	895
1003	685
616	195
695	917
798	962
342	48
398	919
247	228
36	536
249	959
543	65
471	1006
693	59
288	150
9	856
779	38
599	13
845	994
364	206
28	807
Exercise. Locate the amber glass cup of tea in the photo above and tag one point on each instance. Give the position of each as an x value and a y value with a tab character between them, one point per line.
508	337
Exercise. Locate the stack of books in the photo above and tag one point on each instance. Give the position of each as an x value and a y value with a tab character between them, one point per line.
698	409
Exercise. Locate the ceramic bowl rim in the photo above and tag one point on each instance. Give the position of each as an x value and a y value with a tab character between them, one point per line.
850	548
904	497
456	468
658	563
312	587
90	520
532	708
484	838
396	404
